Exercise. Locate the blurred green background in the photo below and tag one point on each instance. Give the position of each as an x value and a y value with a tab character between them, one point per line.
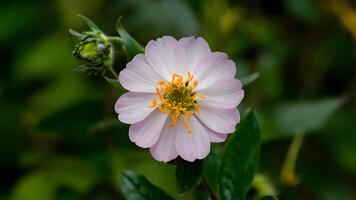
59	135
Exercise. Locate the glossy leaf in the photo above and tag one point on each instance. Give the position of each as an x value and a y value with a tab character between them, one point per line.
129	44
211	166
137	187
188	175
240	160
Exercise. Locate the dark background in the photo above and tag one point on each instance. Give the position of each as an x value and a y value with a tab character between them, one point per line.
59	135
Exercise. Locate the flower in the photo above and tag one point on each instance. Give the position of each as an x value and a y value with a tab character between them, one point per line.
181	98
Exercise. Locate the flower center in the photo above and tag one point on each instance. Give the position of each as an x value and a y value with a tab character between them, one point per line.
178	98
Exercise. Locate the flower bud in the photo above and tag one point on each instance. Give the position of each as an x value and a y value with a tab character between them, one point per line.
92	51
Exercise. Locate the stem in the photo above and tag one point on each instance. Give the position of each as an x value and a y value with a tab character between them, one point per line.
288	175
114	40
263	186
111	69
203	185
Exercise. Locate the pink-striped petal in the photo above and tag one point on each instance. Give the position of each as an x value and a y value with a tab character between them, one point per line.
133	107
217	137
160	55
189	52
213	67
146	132
164	150
194	145
219	119
139	76
224	93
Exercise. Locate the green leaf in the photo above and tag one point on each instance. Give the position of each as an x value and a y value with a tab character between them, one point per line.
91	24
61	172
129	44
306	116
291	118
78	119
137	187
77	34
342	145
34	185
188	175
112	81
268	198
105	125
246	80
72	173
211	166
201	194
240	160
46	59
305	10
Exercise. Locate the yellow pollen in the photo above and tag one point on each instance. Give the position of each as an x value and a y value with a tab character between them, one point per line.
195	83
160	108
187	125
178	98
154	103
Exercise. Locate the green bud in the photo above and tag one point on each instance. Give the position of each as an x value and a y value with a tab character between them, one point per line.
92	51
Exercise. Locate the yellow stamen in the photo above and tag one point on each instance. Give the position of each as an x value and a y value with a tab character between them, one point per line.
195	83
160	108
187	125
190	77
201	96
174	122
178	98
154	103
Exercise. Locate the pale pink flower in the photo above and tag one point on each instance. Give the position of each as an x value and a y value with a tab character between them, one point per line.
181	97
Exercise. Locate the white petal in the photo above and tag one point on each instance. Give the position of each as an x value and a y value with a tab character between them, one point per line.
217	137
146	132
133	107
224	93
219	119
164	150
213	67
194	145
139	76
160	54
189	52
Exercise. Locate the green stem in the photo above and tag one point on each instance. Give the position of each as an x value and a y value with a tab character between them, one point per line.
263	186
204	186
288	175
111	69
114	39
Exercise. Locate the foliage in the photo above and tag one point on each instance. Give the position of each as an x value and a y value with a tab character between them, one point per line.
240	161
60	138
